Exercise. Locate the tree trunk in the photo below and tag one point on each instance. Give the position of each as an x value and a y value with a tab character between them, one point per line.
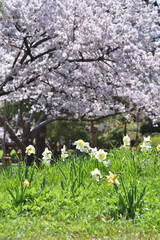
93	132
137	129
40	144
27	140
125	127
150	126
4	134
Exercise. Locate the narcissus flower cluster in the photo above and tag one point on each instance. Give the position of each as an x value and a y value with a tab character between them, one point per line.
82	146
101	156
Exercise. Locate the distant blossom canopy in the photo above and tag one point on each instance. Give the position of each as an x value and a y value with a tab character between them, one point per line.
70	62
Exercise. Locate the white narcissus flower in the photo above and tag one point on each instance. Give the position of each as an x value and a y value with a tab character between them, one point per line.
25	183
147	140
146	146
93	152
79	144
101	155
30	150
64	153
126	141
158	148
106	163
96	174
46	161
85	148
112	178
47	155
143	148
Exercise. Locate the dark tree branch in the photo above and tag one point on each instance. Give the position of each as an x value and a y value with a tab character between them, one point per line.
12	134
40	41
8	79
16	59
2	92
44	123
42	54
28	48
23	58
17	123
41	118
8	144
101	59
21	114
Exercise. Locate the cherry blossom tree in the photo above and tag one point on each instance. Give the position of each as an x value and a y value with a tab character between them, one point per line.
79	60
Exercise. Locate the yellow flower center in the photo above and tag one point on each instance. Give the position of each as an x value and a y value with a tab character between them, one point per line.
113	178
97	175
101	155
80	142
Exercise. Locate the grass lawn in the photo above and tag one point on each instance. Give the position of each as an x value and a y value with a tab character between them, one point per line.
64	200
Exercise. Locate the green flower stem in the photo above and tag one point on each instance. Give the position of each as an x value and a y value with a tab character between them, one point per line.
60	169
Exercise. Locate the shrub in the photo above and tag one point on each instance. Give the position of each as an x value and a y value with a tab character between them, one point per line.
145	128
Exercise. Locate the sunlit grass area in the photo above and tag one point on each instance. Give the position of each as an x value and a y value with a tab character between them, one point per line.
65	201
